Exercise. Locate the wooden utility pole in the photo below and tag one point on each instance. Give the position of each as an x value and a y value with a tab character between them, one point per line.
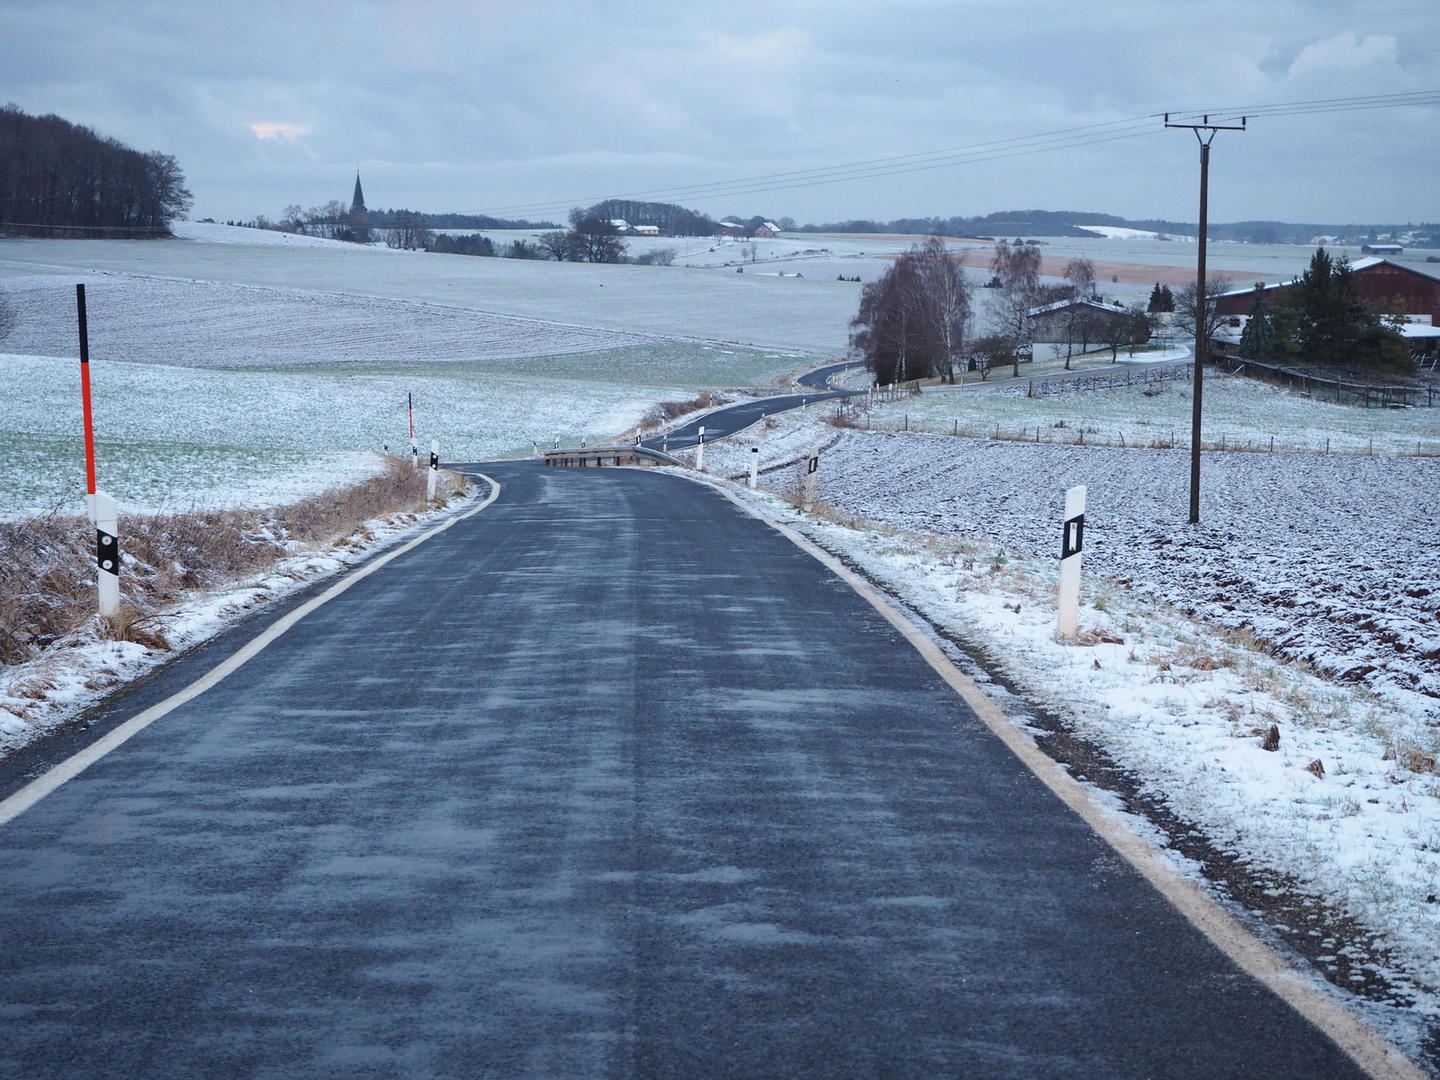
1205	134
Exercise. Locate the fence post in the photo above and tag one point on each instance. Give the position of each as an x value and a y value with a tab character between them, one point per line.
434	473
1071	542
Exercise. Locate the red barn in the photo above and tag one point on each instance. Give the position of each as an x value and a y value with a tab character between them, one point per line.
1378	282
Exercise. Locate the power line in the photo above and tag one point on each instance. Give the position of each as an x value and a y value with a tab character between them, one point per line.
993	150
998	148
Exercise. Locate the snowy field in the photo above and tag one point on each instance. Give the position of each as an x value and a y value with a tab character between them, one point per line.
1243	412
216	393
1334	560
801	315
169	437
212	324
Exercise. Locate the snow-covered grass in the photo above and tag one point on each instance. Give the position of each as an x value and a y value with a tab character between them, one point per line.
1184	705
269	393
169	606
171	437
1244	413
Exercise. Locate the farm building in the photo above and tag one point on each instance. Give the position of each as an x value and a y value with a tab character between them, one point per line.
1074	320
731	228
1378	282
768	230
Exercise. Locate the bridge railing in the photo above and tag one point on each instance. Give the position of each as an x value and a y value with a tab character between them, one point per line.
598	456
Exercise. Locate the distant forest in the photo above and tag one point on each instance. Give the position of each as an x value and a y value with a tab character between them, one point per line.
61	179
1022	223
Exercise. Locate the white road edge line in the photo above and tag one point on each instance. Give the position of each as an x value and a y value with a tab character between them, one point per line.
74	765
1366	1046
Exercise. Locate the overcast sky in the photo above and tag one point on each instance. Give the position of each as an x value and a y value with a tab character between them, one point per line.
526	108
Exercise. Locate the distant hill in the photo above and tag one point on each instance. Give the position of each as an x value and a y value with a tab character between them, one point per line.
1035	223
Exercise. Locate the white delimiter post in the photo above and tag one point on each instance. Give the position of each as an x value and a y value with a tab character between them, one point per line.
810	472
434	473
1072	540
105	513
754	466
700	451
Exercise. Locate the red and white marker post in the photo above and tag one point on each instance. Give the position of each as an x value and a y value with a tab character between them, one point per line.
1071	543
99	507
414	446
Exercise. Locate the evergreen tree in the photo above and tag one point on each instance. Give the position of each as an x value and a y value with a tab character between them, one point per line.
1334	326
1157	300
1257	340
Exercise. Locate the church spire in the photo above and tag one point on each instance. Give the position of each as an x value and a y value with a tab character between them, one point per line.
358	203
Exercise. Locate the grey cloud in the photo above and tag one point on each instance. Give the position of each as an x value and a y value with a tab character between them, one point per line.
468	106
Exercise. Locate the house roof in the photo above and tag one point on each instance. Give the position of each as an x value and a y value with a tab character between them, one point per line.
1060	305
1366	263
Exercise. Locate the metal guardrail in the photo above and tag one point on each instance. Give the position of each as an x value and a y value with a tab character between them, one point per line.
599	456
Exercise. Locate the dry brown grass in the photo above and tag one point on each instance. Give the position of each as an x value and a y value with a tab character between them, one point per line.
47	562
670	410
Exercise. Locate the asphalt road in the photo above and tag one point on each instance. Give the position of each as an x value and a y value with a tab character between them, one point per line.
734	418
609	780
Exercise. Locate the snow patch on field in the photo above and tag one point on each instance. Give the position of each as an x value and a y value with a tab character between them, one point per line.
210	233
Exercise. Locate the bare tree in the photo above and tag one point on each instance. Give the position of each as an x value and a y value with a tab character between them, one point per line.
913	321
1017	270
555	245
1080	277
595	240
409	232
1187	304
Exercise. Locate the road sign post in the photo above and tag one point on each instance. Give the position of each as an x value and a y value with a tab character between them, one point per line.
1071	542
414	446
100	507
811	469
107	552
754	466
434	473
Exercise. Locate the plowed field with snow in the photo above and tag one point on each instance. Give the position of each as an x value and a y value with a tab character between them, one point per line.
1333	560
217	324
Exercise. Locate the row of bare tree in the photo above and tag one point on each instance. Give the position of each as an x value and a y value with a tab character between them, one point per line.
61	179
914	323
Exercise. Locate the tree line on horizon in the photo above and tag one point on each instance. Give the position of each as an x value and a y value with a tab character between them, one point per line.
63	179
